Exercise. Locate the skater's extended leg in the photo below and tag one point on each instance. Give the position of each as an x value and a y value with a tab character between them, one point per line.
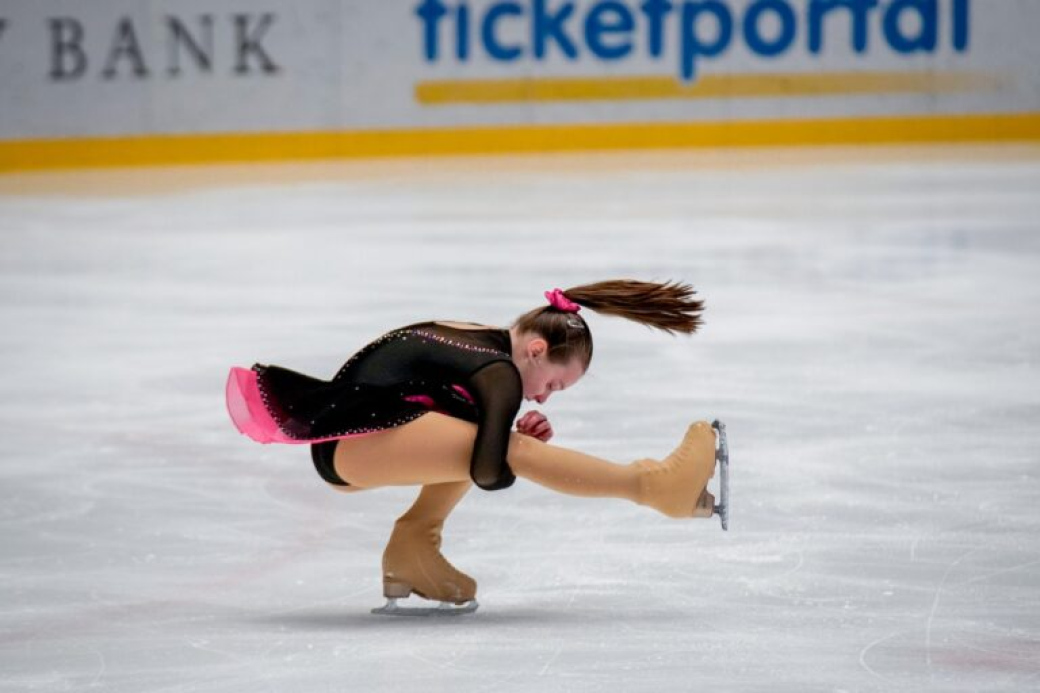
570	471
674	486
436	449
412	561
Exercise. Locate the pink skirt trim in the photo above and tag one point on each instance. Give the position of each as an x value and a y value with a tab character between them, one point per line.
246	407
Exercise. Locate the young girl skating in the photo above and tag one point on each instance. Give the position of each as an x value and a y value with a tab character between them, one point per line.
433	405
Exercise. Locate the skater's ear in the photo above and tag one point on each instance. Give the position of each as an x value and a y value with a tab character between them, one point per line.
537	347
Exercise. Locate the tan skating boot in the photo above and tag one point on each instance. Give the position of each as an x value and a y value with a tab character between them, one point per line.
676	486
412	561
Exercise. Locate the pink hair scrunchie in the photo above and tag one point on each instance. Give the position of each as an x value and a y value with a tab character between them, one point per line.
560	302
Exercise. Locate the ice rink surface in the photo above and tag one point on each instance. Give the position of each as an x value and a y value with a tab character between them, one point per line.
872	341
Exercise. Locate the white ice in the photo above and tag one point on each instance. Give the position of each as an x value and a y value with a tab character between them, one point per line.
872	341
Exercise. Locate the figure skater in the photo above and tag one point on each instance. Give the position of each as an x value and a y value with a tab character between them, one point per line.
433	404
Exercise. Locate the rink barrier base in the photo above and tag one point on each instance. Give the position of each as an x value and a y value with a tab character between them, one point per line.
161	150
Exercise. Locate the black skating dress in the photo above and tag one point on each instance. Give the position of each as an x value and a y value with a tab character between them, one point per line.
465	373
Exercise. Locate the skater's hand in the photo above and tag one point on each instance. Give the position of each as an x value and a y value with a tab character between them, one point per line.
535	424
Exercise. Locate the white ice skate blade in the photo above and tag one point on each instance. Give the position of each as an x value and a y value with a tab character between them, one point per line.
722	457
443	609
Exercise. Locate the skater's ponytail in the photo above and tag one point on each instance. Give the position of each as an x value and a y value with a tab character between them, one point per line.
671	307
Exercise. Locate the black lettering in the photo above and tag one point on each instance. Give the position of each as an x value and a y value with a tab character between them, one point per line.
68	59
180	36
125	45
3	25
247	43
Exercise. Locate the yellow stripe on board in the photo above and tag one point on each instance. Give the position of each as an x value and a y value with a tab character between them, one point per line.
494	91
161	150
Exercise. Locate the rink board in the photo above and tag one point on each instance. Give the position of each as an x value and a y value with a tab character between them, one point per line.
118	82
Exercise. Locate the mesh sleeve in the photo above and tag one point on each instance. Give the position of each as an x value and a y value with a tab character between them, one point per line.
497	390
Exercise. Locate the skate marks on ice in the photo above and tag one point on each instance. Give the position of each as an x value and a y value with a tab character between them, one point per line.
947	645
998	660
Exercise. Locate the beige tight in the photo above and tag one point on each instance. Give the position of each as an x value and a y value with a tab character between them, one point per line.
436	449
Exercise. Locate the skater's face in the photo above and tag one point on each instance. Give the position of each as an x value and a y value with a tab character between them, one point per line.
542	377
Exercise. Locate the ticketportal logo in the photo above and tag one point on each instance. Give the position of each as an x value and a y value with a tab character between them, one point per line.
691	32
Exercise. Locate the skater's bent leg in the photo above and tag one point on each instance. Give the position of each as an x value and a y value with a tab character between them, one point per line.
412	561
436	501
433	449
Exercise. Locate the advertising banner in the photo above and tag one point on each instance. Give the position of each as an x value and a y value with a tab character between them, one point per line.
126	69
